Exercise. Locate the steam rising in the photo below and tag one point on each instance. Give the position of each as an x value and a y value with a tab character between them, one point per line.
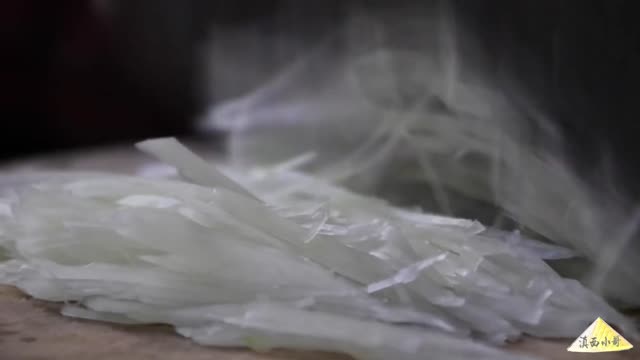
404	97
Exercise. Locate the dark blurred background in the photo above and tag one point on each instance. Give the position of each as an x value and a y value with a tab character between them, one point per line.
89	73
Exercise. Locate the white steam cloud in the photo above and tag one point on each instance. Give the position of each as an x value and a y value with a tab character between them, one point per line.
403	96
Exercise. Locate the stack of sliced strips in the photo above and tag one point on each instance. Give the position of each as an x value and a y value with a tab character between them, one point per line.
272	257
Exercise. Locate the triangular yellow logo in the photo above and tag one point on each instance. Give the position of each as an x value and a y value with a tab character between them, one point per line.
599	337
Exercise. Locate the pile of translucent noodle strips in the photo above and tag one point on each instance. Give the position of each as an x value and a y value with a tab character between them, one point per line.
271	257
